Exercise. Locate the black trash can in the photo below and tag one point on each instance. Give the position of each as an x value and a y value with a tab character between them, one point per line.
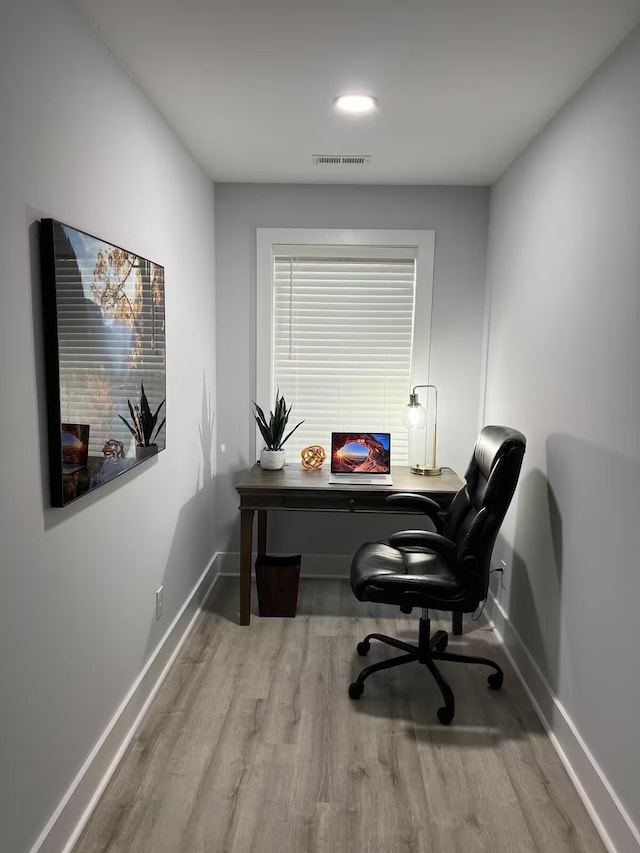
277	580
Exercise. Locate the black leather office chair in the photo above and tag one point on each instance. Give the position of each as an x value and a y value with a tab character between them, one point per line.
446	570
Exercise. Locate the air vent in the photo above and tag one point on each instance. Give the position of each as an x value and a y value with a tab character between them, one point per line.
341	159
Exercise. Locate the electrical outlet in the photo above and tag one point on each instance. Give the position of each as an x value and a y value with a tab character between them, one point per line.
223	448
159	601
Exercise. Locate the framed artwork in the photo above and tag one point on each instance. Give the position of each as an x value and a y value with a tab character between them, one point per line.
104	335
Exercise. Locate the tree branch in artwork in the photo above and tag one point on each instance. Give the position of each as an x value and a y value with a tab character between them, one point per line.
109	278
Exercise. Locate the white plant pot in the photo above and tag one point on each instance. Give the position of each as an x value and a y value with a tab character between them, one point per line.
272	460
143	452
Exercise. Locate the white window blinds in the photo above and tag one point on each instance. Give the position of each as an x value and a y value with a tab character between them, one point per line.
343	323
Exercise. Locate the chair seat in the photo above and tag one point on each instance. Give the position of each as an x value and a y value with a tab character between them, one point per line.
380	572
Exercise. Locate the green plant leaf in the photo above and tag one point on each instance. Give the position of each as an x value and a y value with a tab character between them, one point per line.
158	430
143	421
291	433
273	430
128	426
259	415
263	426
144	403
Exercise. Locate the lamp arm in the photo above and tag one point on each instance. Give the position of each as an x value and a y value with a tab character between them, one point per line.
435	419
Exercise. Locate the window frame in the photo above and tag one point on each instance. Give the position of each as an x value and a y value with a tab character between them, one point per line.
419	244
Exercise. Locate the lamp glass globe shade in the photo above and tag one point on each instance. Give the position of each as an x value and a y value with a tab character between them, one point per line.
415	417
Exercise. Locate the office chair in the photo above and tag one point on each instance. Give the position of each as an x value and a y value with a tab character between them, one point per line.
446	570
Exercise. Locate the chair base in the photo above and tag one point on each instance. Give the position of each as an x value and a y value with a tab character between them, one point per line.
429	649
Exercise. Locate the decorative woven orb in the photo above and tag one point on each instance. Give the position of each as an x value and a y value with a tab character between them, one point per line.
313	457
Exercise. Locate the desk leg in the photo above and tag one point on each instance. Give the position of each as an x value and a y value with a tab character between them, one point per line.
456	625
246	530
262	532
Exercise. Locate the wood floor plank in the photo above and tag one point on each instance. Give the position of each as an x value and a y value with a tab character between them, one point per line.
131	788
253	746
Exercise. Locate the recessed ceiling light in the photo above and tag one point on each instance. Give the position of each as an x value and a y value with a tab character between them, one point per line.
355	103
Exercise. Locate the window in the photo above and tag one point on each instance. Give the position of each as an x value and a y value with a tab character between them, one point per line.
343	329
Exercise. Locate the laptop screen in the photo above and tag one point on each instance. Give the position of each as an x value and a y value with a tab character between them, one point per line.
360	453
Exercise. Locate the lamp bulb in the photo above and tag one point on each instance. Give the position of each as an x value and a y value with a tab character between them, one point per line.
415	417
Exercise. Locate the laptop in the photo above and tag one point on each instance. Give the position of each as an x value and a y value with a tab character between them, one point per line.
361	459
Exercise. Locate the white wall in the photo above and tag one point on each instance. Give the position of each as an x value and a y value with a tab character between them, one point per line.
564	367
78	142
459	217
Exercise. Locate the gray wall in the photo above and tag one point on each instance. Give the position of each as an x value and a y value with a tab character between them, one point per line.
564	367
459	217
79	143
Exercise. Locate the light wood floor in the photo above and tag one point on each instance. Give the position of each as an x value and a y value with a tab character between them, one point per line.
253	746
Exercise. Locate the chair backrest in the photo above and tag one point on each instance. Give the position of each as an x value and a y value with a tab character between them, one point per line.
478	510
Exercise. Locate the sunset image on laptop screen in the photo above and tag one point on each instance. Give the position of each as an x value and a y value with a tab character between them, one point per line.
366	453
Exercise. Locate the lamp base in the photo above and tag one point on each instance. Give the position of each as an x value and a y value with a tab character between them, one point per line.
425	471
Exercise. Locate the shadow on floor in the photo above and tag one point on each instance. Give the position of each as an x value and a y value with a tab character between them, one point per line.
406	696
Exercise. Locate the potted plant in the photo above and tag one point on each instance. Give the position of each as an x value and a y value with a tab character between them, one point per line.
273	456
144	425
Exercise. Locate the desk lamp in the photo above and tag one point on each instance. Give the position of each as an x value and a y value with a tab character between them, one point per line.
415	417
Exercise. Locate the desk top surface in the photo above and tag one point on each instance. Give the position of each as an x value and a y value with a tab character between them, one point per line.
297	478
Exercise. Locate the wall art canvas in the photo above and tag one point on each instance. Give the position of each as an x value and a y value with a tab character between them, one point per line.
104	328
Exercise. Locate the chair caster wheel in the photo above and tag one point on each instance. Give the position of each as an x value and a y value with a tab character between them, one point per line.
445	715
363	648
356	689
495	680
441	642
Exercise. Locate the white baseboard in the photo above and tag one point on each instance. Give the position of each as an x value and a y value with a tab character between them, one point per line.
615	826
313	565
69	819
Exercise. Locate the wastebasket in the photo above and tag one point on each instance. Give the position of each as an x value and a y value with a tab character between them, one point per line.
277	581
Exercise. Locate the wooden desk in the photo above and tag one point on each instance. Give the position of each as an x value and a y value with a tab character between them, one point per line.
293	487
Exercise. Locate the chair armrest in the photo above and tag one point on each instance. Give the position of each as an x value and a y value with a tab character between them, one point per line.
418	502
427	540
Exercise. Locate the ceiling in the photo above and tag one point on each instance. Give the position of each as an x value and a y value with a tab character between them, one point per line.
462	85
